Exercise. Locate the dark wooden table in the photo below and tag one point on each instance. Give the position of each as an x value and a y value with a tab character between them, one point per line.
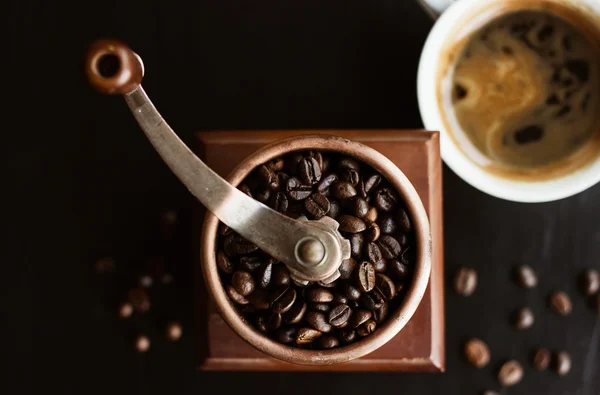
81	181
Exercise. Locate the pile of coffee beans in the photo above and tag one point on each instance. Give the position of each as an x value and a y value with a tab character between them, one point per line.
373	281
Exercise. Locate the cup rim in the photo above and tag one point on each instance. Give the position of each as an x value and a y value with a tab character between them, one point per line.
513	190
395	322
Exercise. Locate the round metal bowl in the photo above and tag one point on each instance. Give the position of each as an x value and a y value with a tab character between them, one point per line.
396	320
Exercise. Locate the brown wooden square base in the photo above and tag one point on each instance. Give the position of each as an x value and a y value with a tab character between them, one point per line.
420	345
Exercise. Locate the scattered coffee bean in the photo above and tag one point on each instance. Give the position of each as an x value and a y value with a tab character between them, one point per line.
318	321
322	307
372	232
373	252
561	363
590	282
372	215
351	292
397	269
235	296
280	275
347	336
296	313
359	317
510	373
334	209
387	224
142	343
307	335
351	224
339	298
339	315
282	299
477	353
371	301
367	328
385	286
350	176
381	313
326	182
319	295
389	247
276	164
365	273
250	263
296	190
356	244
309	171
465	281
403	220
523	318
224	264
274	321
240	246
243	282
347	268
286	335
343	190
525	277
348	163
259	299
372	182
541	359
174	331
328	341
380	266
279	202
125	310
264	275
385	199
360	207
561	303
317	205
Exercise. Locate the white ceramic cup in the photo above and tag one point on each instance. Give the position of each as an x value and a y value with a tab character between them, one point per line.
451	13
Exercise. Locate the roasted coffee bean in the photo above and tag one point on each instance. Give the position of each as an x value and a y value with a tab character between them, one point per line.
372	182
373	253
307	335
381	313
296	313
561	303
235	296
351	292
348	163
286	335
318	321
282	299
224	264
561	363
241	246
372	215
317	205
360	189
276	164
347	268
353	304
318	156
243	282
372	232
280	275
380	266
343	190
326	182
250	263
371	301
263	195
309	171
339	315
322	307
590	282
477	353
403	220
339	298
525	277
465	281
350	176
261	323
365	276
279	202
274	321
326	342
523	318
319	295
296	190
259	299
347	335
397	269
367	328
360	207
389	247
268	178
359	317
385	286
334	209
387	224
510	373
283	178
356	244
245	189
263	276
541	359
292	161
351	224
224	230
385	199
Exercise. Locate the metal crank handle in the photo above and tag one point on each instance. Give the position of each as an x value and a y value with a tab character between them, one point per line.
312	250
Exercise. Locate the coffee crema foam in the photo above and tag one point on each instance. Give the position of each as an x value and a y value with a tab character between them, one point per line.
524	90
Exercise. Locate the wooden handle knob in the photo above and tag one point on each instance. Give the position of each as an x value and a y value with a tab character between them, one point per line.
112	68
